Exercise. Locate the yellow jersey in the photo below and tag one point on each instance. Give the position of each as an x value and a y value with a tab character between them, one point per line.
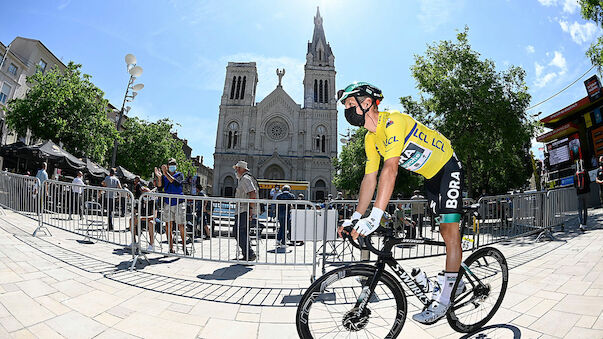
421	149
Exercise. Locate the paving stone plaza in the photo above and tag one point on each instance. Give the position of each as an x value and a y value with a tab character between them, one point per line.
59	286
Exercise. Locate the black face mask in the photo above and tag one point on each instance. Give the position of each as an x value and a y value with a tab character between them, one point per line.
353	118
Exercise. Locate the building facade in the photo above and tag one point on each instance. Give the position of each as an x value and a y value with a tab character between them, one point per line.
21	59
278	137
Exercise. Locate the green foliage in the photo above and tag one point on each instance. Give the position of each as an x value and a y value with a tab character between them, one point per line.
480	110
536	172
593	10
150	144
65	106
349	168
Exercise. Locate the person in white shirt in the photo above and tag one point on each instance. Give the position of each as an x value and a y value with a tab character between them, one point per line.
77	195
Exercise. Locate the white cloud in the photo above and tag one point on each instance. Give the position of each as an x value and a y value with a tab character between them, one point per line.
548	3
559	61
543	81
539	68
580	33
570	6
434	13
530	49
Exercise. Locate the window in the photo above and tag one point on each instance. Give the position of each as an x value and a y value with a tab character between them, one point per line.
238	87
326	97
321	139
42	65
5	93
320	91
12	69
232	87
243	88
315	90
233	135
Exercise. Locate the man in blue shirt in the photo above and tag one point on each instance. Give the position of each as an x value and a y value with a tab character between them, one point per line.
284	218
173	210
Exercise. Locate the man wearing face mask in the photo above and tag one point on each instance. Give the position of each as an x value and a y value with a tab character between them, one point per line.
174	210
402	141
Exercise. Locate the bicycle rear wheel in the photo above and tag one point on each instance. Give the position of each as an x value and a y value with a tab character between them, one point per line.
486	276
326	310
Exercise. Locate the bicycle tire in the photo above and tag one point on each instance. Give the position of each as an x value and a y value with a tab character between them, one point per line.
313	292
487	252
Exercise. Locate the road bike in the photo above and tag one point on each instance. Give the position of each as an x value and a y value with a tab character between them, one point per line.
363	300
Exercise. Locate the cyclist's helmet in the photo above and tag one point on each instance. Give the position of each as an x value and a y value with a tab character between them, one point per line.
359	89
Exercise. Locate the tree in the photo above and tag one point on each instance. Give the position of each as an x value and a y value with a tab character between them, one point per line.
150	144
481	111
349	168
593	10
65	106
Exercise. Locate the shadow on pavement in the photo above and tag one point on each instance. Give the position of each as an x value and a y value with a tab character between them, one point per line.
495	331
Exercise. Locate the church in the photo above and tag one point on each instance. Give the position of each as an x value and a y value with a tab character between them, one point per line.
280	139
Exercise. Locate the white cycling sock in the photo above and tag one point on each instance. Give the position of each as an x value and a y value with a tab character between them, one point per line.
449	280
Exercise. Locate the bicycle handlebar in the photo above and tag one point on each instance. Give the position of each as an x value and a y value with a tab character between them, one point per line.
364	242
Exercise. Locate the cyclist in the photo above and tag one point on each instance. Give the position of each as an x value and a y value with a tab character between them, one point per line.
401	140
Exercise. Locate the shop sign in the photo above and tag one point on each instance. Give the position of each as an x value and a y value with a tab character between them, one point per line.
593	87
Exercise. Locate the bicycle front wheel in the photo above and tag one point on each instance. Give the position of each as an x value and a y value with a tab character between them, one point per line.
327	310
486	276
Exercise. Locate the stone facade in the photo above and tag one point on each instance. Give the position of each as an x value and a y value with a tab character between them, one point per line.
279	138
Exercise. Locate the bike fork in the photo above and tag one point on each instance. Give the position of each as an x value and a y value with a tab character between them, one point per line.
367	290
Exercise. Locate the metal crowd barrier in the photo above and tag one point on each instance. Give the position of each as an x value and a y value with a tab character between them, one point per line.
97	213
412	218
278	232
20	193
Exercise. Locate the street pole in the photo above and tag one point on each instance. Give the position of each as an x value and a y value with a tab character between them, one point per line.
121	115
135	71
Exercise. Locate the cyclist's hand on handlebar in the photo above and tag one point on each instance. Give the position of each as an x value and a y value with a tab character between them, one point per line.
366	226
348	222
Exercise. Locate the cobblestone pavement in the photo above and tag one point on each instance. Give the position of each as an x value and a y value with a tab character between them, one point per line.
59	286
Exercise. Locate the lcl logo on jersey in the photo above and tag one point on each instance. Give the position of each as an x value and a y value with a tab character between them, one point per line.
454	190
390	141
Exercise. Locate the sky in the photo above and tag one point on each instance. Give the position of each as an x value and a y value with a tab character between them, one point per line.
184	47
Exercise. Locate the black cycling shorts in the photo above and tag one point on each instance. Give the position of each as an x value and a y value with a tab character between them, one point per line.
445	189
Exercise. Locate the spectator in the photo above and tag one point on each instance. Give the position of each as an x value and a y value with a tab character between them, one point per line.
582	185
275	191
247	188
300	196
599	179
399	218
42	176
284	217
77	201
174	210
111	181
339	196
417	210
147	212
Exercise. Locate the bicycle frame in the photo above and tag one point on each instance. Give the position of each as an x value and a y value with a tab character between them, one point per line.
385	258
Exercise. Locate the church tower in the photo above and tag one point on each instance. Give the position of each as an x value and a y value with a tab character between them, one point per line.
319	79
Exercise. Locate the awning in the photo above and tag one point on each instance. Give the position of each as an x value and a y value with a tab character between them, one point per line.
96	170
12	149
558	132
51	150
124	173
567	111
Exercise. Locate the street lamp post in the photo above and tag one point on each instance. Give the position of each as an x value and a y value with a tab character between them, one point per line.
135	71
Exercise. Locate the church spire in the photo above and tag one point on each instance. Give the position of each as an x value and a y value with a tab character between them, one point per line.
319	51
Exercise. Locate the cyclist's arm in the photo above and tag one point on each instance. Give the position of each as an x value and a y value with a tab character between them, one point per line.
387	182
367	189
